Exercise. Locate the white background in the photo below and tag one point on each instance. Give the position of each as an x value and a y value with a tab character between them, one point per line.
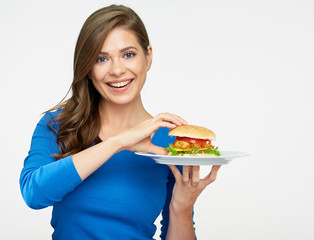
241	68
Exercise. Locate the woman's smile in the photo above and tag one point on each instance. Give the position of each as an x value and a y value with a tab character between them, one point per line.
119	84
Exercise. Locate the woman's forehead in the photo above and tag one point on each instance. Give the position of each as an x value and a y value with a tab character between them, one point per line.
118	39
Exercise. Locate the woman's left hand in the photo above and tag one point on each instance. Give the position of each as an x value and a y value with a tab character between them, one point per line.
189	186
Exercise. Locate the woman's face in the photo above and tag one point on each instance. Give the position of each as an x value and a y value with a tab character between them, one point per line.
120	70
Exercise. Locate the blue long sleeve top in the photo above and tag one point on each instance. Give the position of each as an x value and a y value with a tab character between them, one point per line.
120	200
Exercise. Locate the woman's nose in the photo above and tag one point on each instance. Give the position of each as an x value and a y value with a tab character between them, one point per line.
117	67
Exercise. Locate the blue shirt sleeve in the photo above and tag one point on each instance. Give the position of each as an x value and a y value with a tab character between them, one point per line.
43	180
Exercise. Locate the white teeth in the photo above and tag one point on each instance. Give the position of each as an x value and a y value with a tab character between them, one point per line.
119	84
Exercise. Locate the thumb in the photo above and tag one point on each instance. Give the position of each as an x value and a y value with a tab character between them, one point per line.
157	150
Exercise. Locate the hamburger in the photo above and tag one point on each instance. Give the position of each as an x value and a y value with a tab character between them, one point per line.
192	140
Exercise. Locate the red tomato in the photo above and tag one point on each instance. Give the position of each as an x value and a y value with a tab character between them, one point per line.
194	140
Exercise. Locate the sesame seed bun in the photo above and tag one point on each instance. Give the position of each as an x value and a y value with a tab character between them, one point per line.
193	131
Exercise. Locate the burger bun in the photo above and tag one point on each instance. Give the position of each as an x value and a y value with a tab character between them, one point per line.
193	131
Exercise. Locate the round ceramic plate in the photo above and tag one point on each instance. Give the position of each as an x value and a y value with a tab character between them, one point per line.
225	158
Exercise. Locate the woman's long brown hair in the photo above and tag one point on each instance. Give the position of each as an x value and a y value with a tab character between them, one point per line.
79	121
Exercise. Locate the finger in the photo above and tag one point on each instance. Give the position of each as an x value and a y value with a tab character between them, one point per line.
183	121
211	177
171	118
176	172
195	175
186	174
165	124
157	150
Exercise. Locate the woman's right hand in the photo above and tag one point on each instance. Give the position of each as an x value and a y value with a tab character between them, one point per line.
138	138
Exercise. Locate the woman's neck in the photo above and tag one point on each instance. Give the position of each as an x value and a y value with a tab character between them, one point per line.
116	118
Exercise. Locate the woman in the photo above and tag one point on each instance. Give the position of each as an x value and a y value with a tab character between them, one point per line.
82	159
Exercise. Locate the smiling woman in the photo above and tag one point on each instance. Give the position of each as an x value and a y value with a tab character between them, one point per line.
80	121
82	159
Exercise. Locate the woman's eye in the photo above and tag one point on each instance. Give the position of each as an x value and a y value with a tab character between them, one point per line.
101	59
129	55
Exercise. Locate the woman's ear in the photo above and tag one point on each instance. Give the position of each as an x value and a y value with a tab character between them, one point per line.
149	57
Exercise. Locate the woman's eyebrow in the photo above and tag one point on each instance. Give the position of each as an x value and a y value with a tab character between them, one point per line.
121	50
128	48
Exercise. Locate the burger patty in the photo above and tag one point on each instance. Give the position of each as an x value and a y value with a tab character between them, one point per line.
187	146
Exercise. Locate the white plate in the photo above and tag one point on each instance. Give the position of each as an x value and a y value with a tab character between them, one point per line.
224	158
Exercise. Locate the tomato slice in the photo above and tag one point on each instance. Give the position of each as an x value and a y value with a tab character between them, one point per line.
194	140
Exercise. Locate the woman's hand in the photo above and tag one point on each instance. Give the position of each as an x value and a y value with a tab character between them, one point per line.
138	138
186	190
189	186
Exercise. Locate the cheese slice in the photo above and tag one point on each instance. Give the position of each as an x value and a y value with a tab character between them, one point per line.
188	149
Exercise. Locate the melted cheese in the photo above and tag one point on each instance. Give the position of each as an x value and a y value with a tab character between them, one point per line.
181	150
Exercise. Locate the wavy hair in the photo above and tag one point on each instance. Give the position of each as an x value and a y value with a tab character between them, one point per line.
79	120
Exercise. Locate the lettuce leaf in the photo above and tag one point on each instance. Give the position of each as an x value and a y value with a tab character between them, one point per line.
174	152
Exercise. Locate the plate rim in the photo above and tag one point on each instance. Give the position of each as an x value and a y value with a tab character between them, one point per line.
240	154
194	160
